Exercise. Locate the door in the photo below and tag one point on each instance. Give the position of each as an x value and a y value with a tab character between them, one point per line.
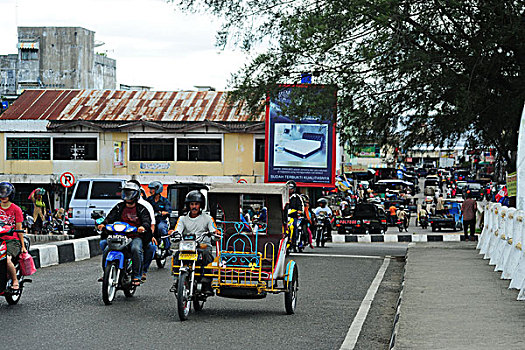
78	203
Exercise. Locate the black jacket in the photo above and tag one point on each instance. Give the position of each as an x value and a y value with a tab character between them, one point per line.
145	219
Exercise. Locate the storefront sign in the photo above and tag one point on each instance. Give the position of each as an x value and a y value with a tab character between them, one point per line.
512	184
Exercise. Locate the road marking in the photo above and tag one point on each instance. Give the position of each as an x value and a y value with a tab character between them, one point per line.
360	317
338	255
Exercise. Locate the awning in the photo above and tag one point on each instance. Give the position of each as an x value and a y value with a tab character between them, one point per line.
33	46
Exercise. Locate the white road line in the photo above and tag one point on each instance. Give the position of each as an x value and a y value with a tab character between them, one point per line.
338	255
360	317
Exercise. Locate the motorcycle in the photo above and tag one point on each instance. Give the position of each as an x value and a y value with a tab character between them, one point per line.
11	296
322	224
423	222
163	251
187	288
118	265
401	225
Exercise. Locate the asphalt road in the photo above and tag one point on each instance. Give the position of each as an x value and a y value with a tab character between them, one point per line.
63	308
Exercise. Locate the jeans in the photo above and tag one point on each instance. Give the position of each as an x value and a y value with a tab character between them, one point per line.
162	229
472	224
149	253
136	256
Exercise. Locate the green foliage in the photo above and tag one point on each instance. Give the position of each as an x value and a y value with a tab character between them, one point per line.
407	72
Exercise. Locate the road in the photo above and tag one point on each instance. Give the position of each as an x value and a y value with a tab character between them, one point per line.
63	308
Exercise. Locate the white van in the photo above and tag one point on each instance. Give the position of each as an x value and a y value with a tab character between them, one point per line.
90	195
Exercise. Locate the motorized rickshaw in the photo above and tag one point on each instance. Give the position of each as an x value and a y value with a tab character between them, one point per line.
250	259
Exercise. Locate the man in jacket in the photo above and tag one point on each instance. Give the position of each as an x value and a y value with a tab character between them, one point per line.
134	214
468	209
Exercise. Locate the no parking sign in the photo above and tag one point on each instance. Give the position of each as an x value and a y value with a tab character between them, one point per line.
67	179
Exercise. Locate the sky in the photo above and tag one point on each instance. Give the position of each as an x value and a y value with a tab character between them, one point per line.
153	42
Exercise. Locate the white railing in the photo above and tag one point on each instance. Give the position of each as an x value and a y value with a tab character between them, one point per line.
502	242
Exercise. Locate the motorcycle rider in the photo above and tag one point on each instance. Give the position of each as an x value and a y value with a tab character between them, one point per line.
11	214
200	224
322	207
309	222
422	215
162	209
403	217
134	214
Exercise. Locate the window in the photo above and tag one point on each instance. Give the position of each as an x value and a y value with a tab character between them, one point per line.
28	54
82	190
26	148
152	149
199	150
106	190
75	149
259	150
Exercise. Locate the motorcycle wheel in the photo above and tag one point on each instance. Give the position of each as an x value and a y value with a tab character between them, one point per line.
129	292
400	228
198	305
323	239
290	296
161	262
183	298
317	238
13	299
109	283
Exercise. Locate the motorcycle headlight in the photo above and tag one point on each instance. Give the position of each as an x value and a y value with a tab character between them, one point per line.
188	246
119	227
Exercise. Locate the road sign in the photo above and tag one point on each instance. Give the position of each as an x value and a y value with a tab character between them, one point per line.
67	179
242	181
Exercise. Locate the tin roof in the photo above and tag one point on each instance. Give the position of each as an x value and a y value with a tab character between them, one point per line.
127	106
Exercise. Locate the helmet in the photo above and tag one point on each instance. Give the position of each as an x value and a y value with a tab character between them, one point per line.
130	191
156	186
291	185
7	190
344	203
195	196
322	201
40	191
401	207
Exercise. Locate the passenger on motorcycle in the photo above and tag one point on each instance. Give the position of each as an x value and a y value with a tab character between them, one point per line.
294	208
162	209
134	214
200	224
309	222
422	215
12	215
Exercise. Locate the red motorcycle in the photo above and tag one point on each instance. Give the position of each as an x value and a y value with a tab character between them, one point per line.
11	296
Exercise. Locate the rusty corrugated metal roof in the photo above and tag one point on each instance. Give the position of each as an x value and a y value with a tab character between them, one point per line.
120	106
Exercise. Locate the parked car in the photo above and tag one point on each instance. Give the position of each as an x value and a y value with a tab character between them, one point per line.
91	195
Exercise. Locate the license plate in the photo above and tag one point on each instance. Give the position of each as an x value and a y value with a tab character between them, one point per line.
347	222
190	256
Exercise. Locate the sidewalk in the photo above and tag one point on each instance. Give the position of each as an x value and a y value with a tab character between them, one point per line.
452	299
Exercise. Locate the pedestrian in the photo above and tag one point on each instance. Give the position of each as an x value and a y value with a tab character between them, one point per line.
39	208
468	209
440	205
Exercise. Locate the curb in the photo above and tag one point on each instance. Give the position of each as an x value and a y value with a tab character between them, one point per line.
397	238
61	252
395	326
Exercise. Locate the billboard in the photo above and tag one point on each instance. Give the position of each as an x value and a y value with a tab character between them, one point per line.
300	149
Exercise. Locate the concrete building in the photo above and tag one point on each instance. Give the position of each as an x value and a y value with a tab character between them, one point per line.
55	58
147	135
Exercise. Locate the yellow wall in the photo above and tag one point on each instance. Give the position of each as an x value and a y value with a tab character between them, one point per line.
199	168
238	154
30	167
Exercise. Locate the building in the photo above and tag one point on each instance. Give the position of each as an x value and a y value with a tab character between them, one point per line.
55	58
166	136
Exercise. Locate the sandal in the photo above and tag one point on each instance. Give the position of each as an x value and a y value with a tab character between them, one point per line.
15	287
135	282
143	279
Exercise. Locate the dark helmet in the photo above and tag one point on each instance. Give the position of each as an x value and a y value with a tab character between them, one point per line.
291	185
7	190
131	191
195	196
156	186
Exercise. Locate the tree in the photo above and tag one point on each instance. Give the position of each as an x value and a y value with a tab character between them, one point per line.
407	72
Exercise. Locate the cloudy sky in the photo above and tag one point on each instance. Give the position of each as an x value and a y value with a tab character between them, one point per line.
154	44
